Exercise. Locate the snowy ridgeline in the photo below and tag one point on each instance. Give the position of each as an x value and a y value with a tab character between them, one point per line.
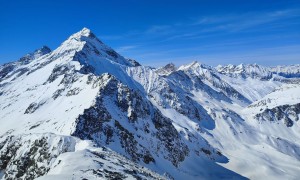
83	111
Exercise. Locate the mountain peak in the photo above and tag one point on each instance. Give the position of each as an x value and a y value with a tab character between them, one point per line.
83	32
83	35
43	50
170	66
167	69
195	65
85	47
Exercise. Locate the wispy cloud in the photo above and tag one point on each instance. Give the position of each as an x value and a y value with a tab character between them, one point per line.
160	29
200	27
125	48
214	36
233	23
253	20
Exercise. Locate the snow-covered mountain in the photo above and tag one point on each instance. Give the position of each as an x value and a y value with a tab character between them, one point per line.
83	111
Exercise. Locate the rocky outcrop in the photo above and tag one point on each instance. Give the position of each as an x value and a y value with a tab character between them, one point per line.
30	156
123	116
286	113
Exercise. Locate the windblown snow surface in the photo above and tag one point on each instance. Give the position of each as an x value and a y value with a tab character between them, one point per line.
82	111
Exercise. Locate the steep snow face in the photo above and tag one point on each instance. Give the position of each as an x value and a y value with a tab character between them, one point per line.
251	88
247	79
85	101
30	100
212	78
16	66
54	82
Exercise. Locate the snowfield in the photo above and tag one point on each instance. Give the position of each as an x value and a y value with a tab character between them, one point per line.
83	111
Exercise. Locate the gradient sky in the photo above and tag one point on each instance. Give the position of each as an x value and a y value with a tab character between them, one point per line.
156	32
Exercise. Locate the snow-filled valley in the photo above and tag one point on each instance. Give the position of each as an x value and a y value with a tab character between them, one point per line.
83	111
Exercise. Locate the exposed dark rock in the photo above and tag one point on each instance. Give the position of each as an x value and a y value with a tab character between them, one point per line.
58	71
96	124
170	139
287	113
114	175
206	151
7	68
33	107
28	158
69	79
73	92
34	126
133	62
57	93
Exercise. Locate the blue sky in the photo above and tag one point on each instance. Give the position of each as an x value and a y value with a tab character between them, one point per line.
154	32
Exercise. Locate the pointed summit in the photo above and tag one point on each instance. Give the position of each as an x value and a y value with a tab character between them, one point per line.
167	69
86	48
193	65
83	35
42	51
170	66
85	30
